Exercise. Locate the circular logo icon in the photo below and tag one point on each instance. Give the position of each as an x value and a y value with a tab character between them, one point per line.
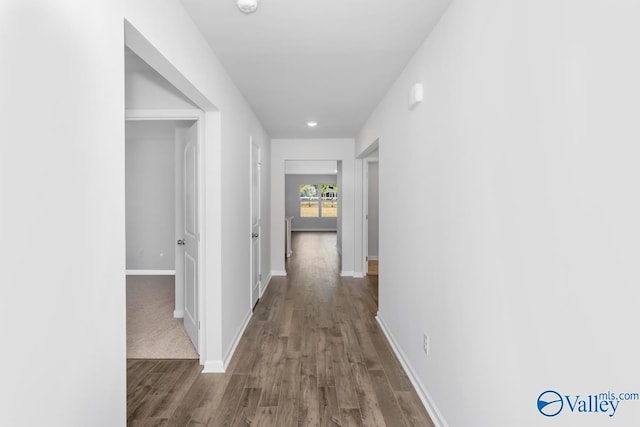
550	403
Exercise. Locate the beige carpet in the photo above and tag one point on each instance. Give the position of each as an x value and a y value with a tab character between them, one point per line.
152	331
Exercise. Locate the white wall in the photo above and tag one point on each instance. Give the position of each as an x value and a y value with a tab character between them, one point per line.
146	89
166	38
150	198
312	149
319	167
292	203
520	256
62	310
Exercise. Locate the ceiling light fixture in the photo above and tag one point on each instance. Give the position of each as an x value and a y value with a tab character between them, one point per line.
312	124
247	6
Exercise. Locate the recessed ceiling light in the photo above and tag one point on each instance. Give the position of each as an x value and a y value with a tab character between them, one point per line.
312	124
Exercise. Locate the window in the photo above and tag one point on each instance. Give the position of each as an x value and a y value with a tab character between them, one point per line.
309	201
329	197
318	201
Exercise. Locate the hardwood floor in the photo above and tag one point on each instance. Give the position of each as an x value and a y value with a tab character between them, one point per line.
372	279
372	267
312	355
372	286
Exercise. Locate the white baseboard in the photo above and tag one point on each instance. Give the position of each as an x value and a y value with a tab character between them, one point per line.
372	258
236	340
150	272
268	282
346	274
279	273
423	393
358	275
178	314
213	367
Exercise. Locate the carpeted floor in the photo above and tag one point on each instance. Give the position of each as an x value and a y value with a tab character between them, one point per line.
152	331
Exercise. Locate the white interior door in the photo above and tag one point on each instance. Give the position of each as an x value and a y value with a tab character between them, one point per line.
372	211
187	234
255	224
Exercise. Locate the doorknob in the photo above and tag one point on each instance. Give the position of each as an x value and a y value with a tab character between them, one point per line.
254	235
182	242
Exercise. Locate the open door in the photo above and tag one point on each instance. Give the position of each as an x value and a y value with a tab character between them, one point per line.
372	174
372	215
255	223
187	234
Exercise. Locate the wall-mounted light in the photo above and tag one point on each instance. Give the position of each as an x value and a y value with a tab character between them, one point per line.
415	95
247	6
312	124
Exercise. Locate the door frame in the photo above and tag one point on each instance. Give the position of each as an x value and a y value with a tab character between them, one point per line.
365	211
370	153
253	144
199	117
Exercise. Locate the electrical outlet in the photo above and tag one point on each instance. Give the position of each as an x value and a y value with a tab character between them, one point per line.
425	343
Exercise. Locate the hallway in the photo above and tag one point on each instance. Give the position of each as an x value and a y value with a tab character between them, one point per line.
311	355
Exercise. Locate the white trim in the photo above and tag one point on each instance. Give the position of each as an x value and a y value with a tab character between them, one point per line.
372	258
236	340
137	272
142	114
370	149
213	367
359	275
328	230
268	282
202	143
423	393
365	204
258	164
346	273
279	273
178	314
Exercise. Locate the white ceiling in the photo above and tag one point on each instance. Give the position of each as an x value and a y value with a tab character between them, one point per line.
330	61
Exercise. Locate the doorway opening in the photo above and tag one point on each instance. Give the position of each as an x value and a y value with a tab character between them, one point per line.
371	222
162	238
312	198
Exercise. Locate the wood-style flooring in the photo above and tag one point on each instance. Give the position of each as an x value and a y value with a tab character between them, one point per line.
312	355
372	279
372	267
